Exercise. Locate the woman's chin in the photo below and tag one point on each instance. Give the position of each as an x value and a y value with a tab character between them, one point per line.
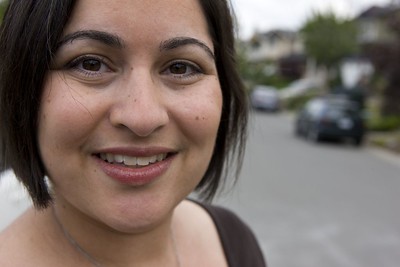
135	220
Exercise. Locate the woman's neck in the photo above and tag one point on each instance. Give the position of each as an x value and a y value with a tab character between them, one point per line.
101	246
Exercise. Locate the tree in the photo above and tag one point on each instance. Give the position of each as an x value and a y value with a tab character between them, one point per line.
328	38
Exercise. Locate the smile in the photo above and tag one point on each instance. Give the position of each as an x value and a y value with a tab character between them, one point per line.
132	161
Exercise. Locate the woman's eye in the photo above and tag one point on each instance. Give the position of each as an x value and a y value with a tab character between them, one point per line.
179	68
89	66
183	70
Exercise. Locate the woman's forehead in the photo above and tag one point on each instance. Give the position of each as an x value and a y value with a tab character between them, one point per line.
136	19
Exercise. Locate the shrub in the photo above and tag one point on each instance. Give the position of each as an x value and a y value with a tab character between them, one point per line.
297	102
387	123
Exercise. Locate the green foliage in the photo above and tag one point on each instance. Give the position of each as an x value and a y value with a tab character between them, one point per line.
298	102
386	123
276	81
328	39
254	73
376	121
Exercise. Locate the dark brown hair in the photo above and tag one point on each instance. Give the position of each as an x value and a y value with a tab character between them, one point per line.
28	39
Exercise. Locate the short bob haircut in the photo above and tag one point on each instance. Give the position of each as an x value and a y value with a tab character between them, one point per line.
29	35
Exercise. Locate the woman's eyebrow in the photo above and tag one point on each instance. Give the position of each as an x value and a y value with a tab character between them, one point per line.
104	37
182	41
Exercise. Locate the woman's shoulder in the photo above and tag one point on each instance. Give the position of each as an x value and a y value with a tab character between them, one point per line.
225	220
239	243
13	244
21	243
197	236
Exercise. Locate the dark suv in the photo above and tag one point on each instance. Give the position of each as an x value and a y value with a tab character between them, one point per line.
331	117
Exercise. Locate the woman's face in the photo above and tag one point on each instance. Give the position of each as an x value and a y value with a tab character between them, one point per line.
130	110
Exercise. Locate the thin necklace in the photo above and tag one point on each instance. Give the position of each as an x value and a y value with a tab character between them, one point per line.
91	259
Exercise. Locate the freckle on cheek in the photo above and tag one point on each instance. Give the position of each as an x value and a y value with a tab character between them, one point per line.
202	118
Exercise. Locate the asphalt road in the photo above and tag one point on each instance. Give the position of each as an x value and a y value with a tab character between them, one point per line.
310	205
318	205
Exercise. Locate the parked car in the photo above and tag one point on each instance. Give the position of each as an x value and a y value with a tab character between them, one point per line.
331	117
265	98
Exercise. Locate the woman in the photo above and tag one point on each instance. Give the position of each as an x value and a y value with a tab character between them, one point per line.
112	113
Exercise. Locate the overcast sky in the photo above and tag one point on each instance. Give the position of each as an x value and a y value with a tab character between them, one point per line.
263	15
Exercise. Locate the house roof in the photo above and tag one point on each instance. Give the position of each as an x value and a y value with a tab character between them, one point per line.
378	12
279	34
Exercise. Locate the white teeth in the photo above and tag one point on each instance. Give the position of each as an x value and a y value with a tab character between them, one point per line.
148	160
119	158
161	157
132	161
143	161
110	158
153	159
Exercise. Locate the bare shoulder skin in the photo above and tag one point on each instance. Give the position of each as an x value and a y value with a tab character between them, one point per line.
17	242
197	236
32	241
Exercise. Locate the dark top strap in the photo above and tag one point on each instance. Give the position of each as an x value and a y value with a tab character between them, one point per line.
239	243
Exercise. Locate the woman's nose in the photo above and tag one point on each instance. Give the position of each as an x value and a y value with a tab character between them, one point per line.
140	106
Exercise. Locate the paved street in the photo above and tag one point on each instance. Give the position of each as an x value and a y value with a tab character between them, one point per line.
318	205
311	205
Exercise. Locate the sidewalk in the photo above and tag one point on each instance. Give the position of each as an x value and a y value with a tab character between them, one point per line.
389	141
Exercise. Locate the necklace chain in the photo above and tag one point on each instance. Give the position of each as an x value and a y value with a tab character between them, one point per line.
91	259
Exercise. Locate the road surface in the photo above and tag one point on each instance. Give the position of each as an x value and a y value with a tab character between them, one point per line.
318	205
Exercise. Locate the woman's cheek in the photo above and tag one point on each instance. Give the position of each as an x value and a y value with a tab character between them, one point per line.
64	113
202	114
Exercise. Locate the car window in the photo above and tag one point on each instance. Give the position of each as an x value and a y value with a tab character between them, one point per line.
337	109
315	107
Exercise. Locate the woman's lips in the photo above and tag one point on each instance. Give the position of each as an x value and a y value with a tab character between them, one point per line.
134	170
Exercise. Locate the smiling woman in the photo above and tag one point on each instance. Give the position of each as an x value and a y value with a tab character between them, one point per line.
111	115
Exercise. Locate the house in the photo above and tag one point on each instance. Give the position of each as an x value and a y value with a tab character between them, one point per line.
379	35
373	24
274	45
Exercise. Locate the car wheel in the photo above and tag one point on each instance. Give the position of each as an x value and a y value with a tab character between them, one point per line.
313	135
297	131
358	140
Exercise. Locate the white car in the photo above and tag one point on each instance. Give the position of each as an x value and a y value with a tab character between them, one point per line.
265	98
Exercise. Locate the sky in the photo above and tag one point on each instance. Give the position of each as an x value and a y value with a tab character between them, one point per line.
264	15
